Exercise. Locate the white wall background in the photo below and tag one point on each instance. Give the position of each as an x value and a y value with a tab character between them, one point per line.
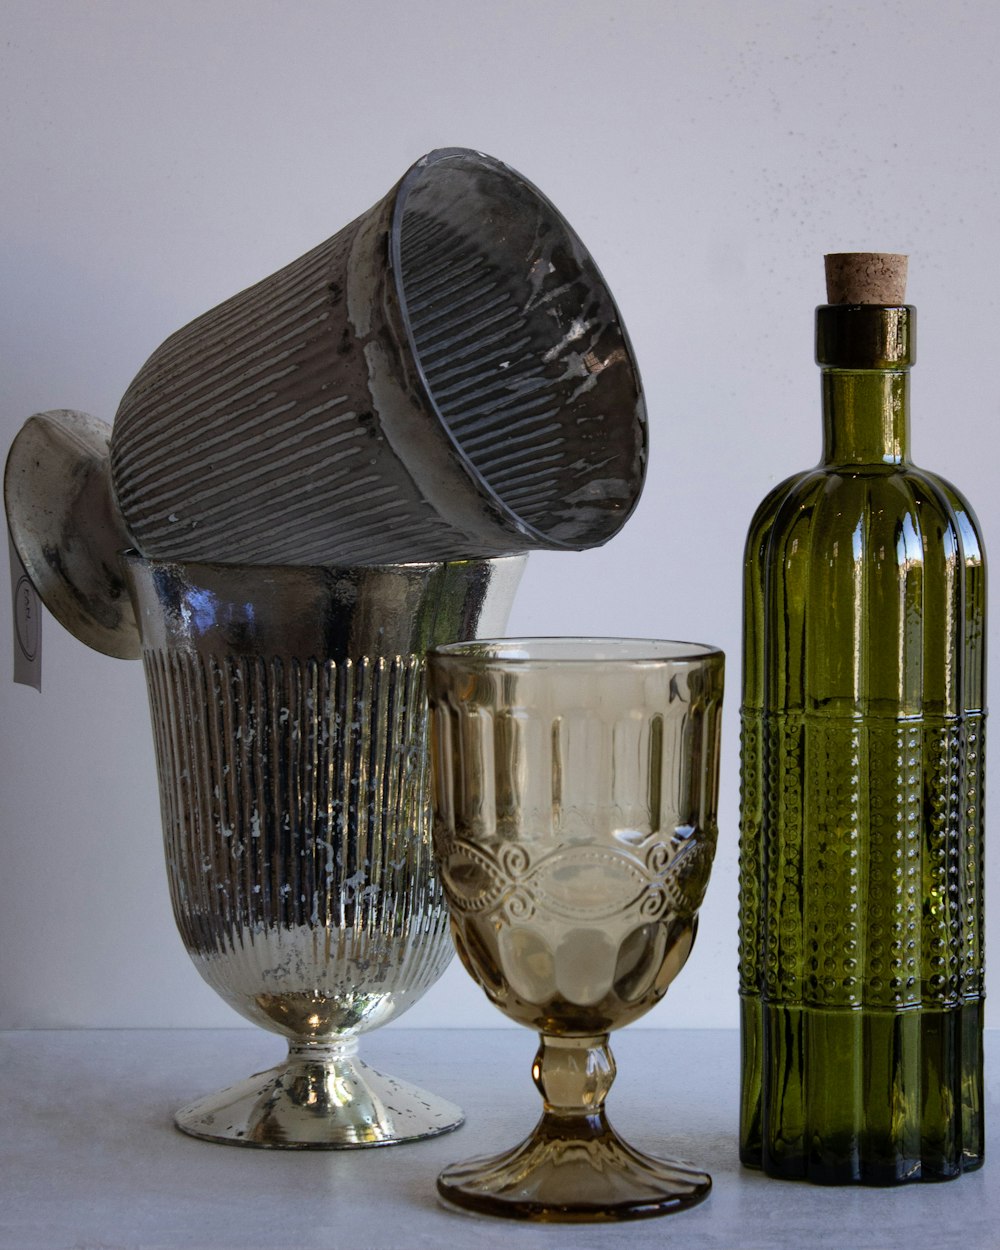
159	155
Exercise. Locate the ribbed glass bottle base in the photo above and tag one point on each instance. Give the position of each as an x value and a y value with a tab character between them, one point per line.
870	1097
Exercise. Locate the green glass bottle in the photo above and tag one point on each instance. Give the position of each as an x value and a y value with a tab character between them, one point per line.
861	848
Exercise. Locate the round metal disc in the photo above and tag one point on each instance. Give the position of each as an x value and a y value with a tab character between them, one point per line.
67	529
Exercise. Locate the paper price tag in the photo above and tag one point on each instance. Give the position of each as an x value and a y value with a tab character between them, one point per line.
27	623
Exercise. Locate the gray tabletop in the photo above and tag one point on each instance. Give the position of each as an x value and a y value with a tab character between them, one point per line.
90	1159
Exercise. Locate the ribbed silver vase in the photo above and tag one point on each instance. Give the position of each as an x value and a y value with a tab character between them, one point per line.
289	720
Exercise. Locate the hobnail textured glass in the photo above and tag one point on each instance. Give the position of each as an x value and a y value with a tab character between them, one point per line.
575	785
290	723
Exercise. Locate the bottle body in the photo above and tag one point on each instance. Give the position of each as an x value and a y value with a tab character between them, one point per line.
861	862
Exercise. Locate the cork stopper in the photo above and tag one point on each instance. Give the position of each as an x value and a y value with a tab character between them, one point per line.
865	278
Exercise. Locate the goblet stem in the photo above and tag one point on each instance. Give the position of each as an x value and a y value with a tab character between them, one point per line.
574	1075
321	1097
573	1167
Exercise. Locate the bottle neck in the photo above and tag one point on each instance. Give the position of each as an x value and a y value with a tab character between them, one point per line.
865	352
866	416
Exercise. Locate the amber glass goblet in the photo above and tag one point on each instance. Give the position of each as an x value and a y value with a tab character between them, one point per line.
575	786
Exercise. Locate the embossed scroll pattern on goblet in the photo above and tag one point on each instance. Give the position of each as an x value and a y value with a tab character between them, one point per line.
605	894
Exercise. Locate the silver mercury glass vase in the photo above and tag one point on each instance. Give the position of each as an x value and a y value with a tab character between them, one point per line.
289	720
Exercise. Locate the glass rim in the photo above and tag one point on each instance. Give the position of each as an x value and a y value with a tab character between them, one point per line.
571	650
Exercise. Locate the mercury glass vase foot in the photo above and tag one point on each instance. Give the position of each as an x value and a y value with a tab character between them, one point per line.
574	1166
321	1097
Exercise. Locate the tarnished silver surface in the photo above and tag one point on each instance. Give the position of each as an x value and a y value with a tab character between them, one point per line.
67	530
289	719
447	376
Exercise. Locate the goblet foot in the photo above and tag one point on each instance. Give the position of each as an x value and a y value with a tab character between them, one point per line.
574	1167
573	1171
321	1098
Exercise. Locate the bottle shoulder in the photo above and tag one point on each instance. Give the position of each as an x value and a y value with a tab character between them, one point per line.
865	590
781	503
965	516
839	499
